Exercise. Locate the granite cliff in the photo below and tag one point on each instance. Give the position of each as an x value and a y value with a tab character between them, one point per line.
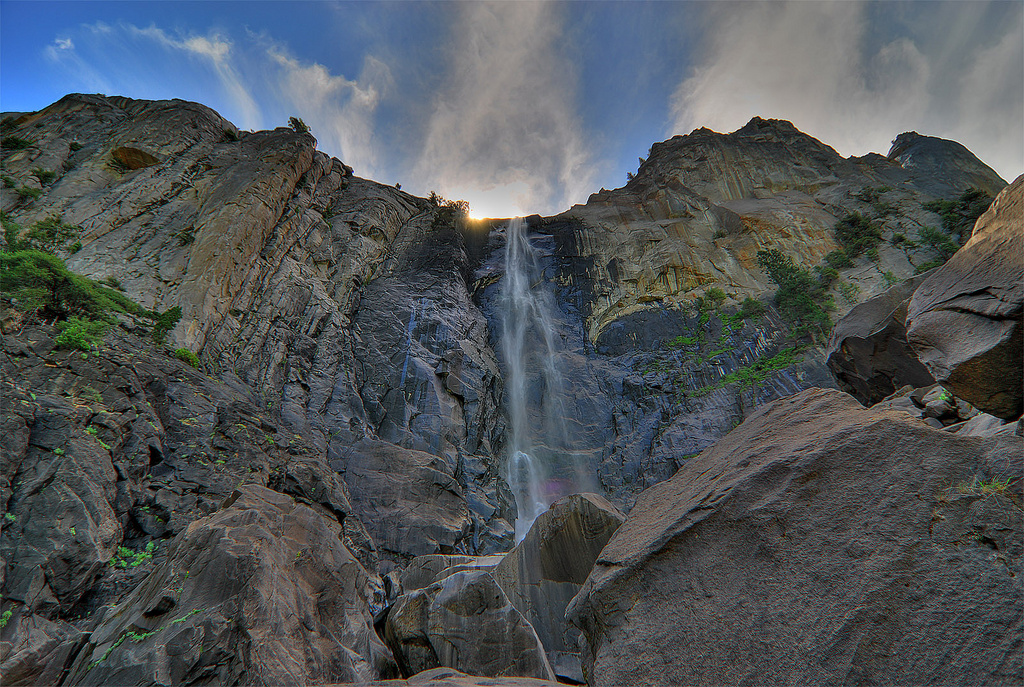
301	479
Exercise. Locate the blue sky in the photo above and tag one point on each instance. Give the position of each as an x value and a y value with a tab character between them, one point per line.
522	107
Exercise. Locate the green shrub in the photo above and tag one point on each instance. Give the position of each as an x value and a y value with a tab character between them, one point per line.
75	146
45	176
801	297
12	232
50	234
8	181
838	259
850	292
751	308
165	322
857	234
40	281
126	558
26	192
925	266
14	143
711	300
959	214
187	356
938	241
298	125
80	333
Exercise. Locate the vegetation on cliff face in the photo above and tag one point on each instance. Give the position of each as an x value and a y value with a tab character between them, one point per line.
802	297
39	285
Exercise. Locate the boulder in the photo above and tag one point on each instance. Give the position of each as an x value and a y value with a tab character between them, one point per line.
868	351
424	571
466	622
262	592
818	543
964	321
545	570
449	677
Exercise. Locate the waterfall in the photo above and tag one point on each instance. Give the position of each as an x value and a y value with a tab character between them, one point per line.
538	439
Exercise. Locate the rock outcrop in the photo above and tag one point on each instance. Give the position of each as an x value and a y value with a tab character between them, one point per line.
449	677
819	543
868	351
545	570
262	592
466	622
965	320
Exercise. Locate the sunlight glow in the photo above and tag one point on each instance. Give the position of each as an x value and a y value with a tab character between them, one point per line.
508	200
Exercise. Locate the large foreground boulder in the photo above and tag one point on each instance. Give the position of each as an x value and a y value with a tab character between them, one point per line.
466	622
818	543
449	677
868	353
262	592
545	570
964	321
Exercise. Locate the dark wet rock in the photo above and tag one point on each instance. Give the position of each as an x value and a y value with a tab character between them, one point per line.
965	320
261	592
545	570
408	500
818	543
868	351
466	622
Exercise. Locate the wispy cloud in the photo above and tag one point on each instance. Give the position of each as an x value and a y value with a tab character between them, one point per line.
504	132
217	51
257	82
340	111
822	66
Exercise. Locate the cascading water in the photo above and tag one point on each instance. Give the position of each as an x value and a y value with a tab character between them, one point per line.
534	390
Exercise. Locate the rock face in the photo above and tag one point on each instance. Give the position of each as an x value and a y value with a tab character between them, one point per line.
545	570
819	543
868	351
348	383
262	592
965	320
465	622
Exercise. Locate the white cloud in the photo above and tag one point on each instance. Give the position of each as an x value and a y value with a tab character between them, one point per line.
504	132
217	50
817	65
340	111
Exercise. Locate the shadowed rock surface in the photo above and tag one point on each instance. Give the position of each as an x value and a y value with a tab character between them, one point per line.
868	351
545	570
448	677
965	320
819	543
466	622
262	592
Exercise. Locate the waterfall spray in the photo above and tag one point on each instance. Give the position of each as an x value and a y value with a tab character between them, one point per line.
533	383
